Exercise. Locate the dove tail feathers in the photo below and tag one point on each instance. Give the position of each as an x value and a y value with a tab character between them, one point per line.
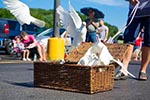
38	22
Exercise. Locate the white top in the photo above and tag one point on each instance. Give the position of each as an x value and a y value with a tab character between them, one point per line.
102	32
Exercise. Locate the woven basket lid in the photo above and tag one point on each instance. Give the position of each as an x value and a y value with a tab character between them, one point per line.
116	50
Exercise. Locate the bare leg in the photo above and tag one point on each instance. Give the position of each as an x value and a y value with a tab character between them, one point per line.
24	54
43	53
136	54
40	52
28	52
127	58
145	58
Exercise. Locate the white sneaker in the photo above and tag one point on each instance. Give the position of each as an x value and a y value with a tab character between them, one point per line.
24	59
28	59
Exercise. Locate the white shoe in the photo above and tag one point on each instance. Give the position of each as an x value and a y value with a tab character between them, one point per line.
24	59
28	59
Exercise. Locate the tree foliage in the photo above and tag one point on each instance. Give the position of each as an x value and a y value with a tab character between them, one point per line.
112	29
47	16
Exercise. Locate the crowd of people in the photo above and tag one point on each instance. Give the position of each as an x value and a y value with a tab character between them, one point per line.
96	31
139	42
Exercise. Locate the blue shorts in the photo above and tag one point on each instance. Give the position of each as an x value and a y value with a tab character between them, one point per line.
134	28
91	37
136	47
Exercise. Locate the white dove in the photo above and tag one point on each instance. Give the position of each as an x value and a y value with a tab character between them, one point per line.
22	12
98	54
73	24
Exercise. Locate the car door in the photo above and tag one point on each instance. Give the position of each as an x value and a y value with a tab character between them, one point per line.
14	28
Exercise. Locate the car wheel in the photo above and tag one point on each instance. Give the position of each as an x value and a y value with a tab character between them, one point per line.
10	48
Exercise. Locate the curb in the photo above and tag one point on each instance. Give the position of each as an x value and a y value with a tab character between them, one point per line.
15	62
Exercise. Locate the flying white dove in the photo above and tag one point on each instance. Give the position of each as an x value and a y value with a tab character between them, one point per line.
22	12
73	24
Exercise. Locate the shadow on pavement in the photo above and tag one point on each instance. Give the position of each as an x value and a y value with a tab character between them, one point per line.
133	78
24	84
31	69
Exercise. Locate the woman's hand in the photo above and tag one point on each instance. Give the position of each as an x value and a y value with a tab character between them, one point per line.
94	24
99	30
90	22
32	45
133	2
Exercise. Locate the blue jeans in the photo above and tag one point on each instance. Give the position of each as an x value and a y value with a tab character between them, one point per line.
134	28
91	37
136	47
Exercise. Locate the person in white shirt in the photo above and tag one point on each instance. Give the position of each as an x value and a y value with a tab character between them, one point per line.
102	31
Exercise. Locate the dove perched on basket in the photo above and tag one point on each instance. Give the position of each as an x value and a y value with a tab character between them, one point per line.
98	54
73	24
22	12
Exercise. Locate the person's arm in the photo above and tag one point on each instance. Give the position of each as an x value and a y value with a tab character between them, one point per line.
99	30
141	44
88	22
33	39
133	2
34	43
106	34
95	25
91	22
14	42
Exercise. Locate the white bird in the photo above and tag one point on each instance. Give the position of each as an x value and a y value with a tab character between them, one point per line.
73	24
98	54
22	12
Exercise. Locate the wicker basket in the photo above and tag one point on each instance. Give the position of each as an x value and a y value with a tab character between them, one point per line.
75	55
116	50
71	77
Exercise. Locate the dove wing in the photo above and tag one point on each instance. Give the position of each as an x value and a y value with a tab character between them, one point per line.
66	20
75	17
22	13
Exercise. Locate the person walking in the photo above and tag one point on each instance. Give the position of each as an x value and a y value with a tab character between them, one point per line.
137	46
141	19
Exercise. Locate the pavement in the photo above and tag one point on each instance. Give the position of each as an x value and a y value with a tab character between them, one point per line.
16	83
5	58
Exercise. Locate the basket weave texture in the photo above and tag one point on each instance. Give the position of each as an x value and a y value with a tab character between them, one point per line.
73	77
116	50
